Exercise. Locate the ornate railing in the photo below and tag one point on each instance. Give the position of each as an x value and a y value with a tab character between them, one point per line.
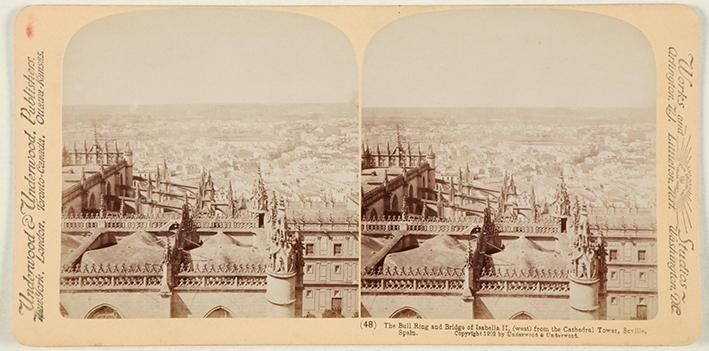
162	221
460	226
496	281
510	281
111	277
529	227
225	276
243	222
513	287
149	277
330	225
413	280
418	226
221	269
502	273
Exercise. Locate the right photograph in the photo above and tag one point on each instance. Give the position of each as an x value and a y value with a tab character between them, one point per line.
508	168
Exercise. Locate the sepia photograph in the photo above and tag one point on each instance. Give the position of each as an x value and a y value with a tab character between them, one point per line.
209	167
508	167
356	175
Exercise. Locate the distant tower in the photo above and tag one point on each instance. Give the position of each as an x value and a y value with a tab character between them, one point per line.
284	257
585	267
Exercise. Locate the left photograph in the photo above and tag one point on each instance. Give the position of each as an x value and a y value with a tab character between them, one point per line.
210	167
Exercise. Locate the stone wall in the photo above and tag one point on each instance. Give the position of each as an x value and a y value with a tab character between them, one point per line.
507	307
128	304
428	306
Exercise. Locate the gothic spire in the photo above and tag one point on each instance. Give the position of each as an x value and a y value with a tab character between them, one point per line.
398	138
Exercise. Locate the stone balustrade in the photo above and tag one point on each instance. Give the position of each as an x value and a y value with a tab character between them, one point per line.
533	281
529	227
322	225
502	281
163	221
149	277
204	281
110	277
413	280
532	274
515	287
418	226
223	269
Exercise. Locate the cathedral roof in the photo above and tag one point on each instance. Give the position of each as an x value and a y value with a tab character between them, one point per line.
137	248
223	249
442	251
523	253
72	174
370	246
374	177
69	244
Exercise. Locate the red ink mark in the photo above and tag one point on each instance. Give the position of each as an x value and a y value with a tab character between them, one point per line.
29	30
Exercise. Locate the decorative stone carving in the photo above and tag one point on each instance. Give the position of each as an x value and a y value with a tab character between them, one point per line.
259	197
284	247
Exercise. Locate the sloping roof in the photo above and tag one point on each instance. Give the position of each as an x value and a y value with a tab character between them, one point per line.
137	248
224	249
69	244
441	251
523	253
370	246
374	177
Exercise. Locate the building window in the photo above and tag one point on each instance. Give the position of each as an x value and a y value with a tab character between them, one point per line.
308	293
614	274
613	255
641	255
338	249
309	249
336	293
309	268
337	268
614	300
641	300
642	275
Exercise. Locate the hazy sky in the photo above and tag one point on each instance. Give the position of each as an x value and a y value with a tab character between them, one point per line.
509	58
209	56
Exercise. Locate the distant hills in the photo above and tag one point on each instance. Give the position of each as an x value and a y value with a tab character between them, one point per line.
505	114
212	111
